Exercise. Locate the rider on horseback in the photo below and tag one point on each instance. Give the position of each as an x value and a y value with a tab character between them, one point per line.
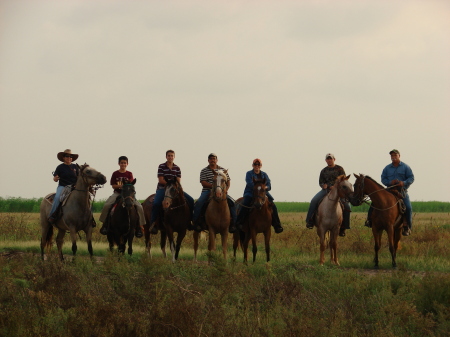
166	171
256	173
118	178
397	174
206	179
327	178
66	174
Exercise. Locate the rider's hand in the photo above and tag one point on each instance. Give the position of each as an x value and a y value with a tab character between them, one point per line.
56	178
324	186
401	183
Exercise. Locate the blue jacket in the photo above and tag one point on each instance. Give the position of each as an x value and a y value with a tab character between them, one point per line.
402	172
248	192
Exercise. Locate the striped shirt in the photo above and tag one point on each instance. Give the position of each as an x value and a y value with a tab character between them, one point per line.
207	175
169	174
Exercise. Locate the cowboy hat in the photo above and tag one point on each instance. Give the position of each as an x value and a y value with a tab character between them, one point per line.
61	155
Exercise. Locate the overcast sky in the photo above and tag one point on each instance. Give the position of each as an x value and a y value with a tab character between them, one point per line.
284	81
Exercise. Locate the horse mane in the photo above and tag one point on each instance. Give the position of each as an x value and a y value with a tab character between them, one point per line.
392	191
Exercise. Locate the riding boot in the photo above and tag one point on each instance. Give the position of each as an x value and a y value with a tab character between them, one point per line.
199	224
138	231
94	224
154	228
105	226
232	227
54	216
310	221
345	223
276	223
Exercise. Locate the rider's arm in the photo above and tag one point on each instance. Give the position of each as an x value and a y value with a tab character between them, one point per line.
205	184
409	177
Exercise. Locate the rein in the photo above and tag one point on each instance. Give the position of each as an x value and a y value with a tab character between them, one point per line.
364	199
178	194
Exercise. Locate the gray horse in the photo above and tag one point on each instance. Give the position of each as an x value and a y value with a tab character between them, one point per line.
76	213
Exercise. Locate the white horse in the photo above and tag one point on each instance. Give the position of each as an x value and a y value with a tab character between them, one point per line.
329	217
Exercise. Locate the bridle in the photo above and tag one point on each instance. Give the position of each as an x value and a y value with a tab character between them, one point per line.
215	186
177	195
131	197
361	198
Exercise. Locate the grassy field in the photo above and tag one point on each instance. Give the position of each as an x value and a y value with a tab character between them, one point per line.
290	296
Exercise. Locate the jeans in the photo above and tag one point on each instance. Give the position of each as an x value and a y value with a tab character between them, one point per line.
204	198
56	201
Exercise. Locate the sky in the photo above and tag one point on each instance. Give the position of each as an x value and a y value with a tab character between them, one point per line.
283	81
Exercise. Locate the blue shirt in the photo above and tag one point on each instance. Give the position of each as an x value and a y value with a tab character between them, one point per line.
248	192
402	172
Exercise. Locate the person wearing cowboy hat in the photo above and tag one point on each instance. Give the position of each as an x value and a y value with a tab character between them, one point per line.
256	173
65	174
327	178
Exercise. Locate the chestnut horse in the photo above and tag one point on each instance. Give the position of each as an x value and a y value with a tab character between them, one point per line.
76	213
217	216
259	221
329	217
123	220
388	209
176	216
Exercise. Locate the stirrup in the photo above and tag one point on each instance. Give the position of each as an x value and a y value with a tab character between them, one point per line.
342	231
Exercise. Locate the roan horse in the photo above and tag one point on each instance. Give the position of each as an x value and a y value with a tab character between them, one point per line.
329	217
259	221
176	218
388	209
123	220
217	216
76	213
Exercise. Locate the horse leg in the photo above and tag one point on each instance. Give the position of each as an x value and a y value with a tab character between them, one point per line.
377	238
224	236
130	244
322	246
196	237
267	235
245	246
163	243
88	232
148	241
235	243
397	236
47	235
333	247
180	238
254	247
169	233
59	242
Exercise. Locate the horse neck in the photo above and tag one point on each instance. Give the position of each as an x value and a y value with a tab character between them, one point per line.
332	198
82	191
377	193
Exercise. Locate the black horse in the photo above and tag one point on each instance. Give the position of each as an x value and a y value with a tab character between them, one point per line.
123	220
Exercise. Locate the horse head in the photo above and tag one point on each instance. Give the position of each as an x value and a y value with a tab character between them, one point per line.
219	185
344	188
172	191
259	192
358	187
128	194
91	176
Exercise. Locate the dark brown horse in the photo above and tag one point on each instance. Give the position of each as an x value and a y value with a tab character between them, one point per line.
176	219
177	216
259	221
387	212
123	220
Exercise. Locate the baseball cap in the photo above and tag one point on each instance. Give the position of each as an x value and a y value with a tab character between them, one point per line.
394	151
212	155
329	155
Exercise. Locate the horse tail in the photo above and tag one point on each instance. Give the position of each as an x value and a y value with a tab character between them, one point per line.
48	238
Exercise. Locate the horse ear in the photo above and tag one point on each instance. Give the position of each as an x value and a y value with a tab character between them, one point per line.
225	171
356	176
346	178
134	181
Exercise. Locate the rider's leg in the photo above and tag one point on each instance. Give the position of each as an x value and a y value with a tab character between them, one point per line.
368	222
243	211
105	211
232	208
141	224
313	207
408	215
156	209
190	202
346	218
55	206
276	223
198	209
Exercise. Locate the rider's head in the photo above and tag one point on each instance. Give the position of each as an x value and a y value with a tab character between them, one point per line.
170	155
123	158
329	158
212	159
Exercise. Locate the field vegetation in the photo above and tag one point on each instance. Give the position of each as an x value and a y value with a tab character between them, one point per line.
21	205
290	296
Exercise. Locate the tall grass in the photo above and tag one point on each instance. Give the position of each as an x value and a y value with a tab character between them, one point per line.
20	205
